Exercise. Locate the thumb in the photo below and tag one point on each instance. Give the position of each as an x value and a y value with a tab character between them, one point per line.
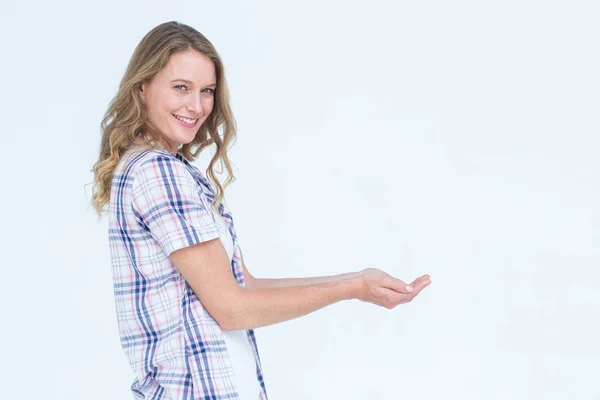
399	286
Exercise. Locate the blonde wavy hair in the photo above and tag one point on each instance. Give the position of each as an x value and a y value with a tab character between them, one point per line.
125	125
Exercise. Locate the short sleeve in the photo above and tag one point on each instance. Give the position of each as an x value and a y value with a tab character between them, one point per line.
166	198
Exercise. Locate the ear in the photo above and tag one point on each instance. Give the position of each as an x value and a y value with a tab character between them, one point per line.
142	90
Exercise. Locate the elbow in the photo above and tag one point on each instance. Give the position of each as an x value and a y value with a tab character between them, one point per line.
227	323
233	323
231	316
251	282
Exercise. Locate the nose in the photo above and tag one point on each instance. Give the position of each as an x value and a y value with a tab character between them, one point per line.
195	103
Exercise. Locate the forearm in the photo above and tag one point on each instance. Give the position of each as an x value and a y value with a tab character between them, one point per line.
258	283
256	307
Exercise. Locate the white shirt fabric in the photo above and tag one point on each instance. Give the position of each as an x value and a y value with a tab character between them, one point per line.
238	346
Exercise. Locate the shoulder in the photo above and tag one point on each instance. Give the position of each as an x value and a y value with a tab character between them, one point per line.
160	174
148	164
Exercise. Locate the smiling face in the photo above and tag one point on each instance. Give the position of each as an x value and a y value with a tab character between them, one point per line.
180	97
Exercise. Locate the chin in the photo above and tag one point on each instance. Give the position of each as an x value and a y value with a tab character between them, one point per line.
187	139
183	137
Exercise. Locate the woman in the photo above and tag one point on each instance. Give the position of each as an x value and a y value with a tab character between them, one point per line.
186	304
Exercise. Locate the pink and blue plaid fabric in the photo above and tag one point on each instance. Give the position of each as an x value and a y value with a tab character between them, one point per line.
160	203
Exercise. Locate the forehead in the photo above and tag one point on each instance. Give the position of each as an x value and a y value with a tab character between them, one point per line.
189	65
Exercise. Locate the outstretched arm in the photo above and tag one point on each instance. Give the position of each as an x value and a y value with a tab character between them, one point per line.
206	268
166	200
257	283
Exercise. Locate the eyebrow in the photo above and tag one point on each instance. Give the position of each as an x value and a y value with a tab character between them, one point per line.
190	82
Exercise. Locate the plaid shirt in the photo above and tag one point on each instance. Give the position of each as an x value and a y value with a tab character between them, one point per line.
160	203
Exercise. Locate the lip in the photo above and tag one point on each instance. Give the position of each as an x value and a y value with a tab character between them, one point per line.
185	123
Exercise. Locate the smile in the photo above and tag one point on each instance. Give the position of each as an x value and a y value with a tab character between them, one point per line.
186	121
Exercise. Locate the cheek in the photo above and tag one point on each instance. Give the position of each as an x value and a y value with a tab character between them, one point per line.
208	105
163	103
172	105
158	108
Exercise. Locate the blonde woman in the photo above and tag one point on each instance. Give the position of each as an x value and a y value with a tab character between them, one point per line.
186	304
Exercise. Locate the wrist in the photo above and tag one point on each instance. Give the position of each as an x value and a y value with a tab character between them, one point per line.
355	281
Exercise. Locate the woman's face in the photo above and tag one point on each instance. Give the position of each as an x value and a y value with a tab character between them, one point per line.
180	97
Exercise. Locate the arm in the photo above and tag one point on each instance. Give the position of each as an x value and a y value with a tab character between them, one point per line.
258	283
165	199
296	282
205	266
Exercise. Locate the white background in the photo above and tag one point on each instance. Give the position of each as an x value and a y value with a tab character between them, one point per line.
458	139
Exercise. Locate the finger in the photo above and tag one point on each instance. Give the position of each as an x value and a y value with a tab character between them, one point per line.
420	284
425	281
392	297
422	281
397	285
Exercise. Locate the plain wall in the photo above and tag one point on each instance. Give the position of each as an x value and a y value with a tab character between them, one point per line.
458	139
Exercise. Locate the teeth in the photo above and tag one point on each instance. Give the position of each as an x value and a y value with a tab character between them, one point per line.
186	120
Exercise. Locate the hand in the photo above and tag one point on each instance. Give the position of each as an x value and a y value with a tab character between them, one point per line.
377	287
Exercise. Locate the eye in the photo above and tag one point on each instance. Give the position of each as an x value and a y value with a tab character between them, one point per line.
180	86
207	90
